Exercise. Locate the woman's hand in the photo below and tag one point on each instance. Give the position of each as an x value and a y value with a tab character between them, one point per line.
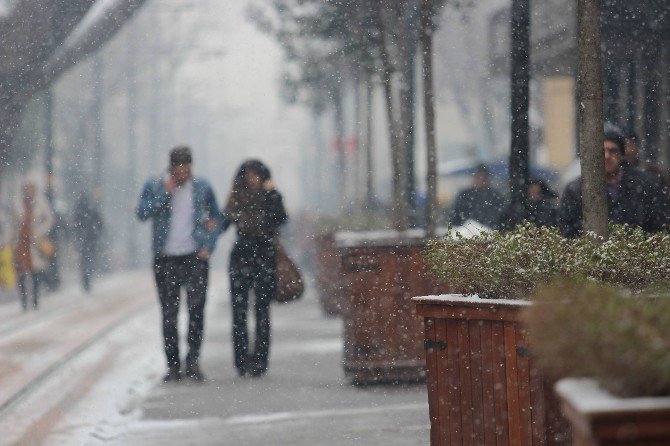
268	186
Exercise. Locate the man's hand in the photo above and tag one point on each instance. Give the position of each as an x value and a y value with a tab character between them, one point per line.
268	186
204	254
211	224
170	184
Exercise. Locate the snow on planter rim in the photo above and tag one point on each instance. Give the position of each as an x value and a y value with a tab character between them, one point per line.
460	299
587	397
353	239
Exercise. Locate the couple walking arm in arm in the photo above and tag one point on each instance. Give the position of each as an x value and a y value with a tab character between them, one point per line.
186	223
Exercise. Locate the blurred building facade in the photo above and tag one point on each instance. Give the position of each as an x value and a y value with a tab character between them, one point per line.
636	44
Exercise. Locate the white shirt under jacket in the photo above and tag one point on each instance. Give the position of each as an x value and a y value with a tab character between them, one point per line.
179	240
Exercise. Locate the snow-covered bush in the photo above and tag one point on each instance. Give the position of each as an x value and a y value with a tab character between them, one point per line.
512	264
586	329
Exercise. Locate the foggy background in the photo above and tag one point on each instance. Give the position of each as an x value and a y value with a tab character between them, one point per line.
202	73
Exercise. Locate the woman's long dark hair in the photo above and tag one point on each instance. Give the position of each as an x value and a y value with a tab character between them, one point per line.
241	193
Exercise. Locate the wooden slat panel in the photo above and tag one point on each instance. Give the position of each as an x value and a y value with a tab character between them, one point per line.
500	383
488	384
478	437
384	336
466	383
433	386
538	410
454	384
523	378
513	408
536	391
479	313
443	382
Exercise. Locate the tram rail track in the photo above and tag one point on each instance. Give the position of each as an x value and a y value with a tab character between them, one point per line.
35	350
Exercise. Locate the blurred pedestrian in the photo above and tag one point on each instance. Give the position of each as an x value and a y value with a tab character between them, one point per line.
87	224
32	248
186	223
634	159
256	208
538	209
7	269
633	197
481	202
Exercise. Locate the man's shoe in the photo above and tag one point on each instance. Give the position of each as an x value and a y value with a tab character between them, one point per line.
172	375
193	373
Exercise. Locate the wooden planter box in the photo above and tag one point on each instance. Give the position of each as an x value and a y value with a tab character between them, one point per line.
598	418
328	276
483	385
383	336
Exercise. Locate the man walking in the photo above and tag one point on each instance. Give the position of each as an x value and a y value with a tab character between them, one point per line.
186	223
481	202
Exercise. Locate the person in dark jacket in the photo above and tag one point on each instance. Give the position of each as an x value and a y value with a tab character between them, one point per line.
481	202
633	197
87	224
256	208
632	157
539	208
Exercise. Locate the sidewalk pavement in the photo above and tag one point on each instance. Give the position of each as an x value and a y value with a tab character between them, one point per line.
303	400
110	392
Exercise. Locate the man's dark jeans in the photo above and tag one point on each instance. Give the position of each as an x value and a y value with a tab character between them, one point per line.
171	273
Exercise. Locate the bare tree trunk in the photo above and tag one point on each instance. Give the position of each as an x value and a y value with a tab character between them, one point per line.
369	163
519	157
398	191
49	144
9	123
410	11
396	135
590	100
339	145
357	193
100	23
429	112
96	112
664	114
131	129
318	193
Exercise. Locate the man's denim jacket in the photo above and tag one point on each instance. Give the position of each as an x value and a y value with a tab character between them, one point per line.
155	204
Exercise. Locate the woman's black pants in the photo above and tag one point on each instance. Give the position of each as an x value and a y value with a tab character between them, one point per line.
252	266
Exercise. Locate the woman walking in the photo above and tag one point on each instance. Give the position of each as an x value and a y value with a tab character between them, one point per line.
32	248
256	208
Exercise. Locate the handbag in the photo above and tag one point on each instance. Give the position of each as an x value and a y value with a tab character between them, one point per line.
46	247
290	285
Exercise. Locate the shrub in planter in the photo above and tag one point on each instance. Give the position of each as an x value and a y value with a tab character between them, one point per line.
512	264
585	329
620	342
